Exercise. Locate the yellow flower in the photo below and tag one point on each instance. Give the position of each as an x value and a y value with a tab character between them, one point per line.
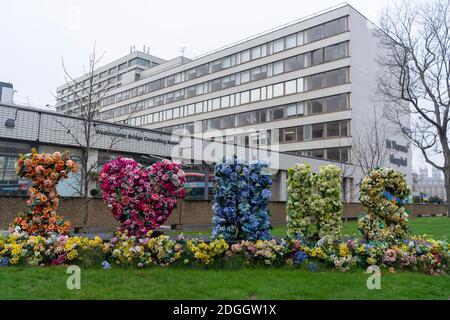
343	250
72	254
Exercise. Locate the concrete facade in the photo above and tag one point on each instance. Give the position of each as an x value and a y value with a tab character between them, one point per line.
304	89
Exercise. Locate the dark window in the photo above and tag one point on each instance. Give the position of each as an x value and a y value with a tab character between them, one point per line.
336	103
344	128
320	153
334	154
334	27
333	129
317	106
317	57
290	134
317	130
277	113
314	34
294	63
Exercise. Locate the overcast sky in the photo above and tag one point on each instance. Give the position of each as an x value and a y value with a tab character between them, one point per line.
37	34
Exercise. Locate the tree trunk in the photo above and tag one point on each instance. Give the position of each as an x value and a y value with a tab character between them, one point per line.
447	190
86	213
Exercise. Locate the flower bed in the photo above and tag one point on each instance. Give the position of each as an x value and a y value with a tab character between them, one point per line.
417	253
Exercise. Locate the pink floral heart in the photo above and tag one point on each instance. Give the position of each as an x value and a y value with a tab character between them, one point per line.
141	198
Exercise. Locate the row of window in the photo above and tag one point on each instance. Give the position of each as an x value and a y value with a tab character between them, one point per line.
316	33
324	130
303	108
314	131
301	61
110	72
327	79
341	154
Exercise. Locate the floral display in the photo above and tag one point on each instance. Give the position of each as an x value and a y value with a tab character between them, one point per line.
141	198
314	207
421	254
44	170
241	198
145	251
383	193
206	253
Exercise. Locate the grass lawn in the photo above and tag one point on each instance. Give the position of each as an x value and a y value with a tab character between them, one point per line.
257	283
178	283
438	227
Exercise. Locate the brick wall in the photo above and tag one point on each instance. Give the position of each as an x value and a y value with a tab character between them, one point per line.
187	213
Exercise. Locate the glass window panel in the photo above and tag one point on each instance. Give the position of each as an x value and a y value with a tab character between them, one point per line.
199	107
291	87
245	76
254	117
300	133
300	39
315	82
320	153
243	119
216	103
307	132
225	103
215	65
278	90
199	89
291	110
227	122
278	45
255	95
318	130
258	73
332	52
263	93
191	109
245	56
263	115
294	63
317	57
336	77
278	113
334	27
300	85
245	97
291	41
290	134
269	92
176	112
256	53
344	154
333	154
300	108
226	62
314	34
264	50
344	128
333	129
317	106
336	103
277	67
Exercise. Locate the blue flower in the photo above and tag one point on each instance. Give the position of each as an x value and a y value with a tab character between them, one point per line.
4	262
106	265
299	257
312	267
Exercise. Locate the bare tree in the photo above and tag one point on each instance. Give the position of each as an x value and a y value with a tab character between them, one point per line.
87	103
416	77
369	150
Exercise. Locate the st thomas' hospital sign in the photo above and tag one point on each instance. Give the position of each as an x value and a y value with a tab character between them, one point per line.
399	161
